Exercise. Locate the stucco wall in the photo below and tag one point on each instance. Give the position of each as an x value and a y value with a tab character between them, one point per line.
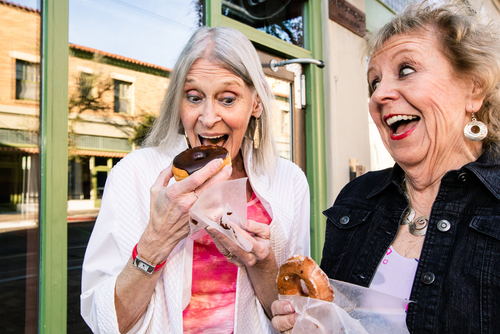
346	96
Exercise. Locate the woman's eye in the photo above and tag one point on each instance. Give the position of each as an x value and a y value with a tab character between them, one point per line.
227	101
374	84
404	71
193	98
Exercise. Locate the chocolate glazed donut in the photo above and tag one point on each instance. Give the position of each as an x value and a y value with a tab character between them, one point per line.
193	159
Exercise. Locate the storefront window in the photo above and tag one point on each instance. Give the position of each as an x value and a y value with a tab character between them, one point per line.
19	167
281	19
121	54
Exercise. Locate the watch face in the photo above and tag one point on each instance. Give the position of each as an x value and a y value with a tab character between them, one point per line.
143	266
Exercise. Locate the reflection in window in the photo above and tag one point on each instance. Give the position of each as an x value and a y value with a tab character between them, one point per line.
27	80
281	19
19	168
79	178
85	85
285	122
123	96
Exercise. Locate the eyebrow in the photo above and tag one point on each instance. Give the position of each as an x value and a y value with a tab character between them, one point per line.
405	50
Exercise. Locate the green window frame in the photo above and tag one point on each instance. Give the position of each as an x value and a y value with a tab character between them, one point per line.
54	143
54	163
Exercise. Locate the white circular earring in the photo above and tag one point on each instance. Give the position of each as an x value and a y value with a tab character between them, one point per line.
480	130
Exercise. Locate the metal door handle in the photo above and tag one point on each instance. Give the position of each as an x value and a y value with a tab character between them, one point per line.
275	64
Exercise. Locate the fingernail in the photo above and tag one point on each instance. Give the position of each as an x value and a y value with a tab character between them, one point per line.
288	309
219	163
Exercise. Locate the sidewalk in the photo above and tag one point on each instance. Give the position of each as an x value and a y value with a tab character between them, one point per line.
18	221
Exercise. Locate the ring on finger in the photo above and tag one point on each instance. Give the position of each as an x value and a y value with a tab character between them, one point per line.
229	256
194	191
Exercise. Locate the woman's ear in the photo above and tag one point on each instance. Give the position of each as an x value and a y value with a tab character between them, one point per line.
257	107
476	97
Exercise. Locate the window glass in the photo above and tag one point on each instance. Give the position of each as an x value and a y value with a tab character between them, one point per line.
19	167
123	96
281	19
27	80
281	115
121	55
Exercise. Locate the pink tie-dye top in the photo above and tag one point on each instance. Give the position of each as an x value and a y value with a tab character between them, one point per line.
213	292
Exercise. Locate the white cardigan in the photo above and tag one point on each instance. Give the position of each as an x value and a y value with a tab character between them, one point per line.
123	218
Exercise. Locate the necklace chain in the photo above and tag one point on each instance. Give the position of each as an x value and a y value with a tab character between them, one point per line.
417	226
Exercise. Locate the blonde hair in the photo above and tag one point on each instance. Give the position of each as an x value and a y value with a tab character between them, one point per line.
469	40
231	50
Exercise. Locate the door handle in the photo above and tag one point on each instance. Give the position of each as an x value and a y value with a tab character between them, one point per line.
273	64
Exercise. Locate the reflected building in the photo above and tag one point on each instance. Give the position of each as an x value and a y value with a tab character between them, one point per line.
109	95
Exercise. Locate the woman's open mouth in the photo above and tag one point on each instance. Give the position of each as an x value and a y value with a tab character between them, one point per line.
213	140
401	125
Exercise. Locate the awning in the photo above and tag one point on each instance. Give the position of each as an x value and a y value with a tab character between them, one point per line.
36	150
105	154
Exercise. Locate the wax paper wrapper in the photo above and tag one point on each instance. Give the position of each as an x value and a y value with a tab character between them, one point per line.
355	310
222	206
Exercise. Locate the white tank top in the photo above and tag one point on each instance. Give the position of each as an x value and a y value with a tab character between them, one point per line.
395	275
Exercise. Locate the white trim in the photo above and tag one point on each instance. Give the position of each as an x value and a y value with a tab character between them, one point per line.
122	77
24	56
85	69
19	110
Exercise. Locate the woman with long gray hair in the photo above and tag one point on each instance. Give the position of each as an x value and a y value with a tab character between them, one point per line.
217	95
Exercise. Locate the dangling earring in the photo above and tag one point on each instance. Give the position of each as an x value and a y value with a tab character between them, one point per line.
475	136
256	135
187	141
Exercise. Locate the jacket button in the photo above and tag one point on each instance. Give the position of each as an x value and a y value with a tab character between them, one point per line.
428	278
344	220
462	177
444	225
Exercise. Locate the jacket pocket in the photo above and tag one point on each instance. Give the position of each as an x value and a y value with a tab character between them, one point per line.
346	217
485	246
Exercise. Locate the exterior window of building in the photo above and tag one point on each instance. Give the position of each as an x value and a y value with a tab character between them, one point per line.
19	168
396	5
285	122
281	19
85	85
123	97
27	80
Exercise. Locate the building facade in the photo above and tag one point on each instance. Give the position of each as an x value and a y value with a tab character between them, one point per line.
68	113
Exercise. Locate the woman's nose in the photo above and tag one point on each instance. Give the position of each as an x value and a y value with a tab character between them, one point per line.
209	114
385	92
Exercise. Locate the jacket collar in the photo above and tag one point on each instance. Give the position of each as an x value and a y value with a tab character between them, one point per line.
486	168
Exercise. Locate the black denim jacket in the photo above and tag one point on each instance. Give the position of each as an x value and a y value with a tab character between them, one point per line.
457	284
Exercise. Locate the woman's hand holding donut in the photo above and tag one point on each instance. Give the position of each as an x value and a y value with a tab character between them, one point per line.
284	315
169	209
258	234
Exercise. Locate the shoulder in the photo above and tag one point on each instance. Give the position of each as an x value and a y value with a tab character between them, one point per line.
286	168
364	185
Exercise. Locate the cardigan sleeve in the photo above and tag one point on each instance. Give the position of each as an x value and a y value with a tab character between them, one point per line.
302	215
104	259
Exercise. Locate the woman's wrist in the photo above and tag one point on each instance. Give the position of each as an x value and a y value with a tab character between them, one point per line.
153	250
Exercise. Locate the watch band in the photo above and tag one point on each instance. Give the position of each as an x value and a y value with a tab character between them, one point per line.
143	265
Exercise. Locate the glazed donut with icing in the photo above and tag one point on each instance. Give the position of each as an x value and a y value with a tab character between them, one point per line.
302	268
193	159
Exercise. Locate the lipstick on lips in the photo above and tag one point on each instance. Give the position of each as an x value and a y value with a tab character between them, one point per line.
401	125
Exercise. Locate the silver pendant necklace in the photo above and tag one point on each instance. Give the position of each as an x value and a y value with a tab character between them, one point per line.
417	226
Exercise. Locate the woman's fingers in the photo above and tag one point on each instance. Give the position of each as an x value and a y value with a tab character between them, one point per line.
205	177
221	248
258	229
260	245
283	315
